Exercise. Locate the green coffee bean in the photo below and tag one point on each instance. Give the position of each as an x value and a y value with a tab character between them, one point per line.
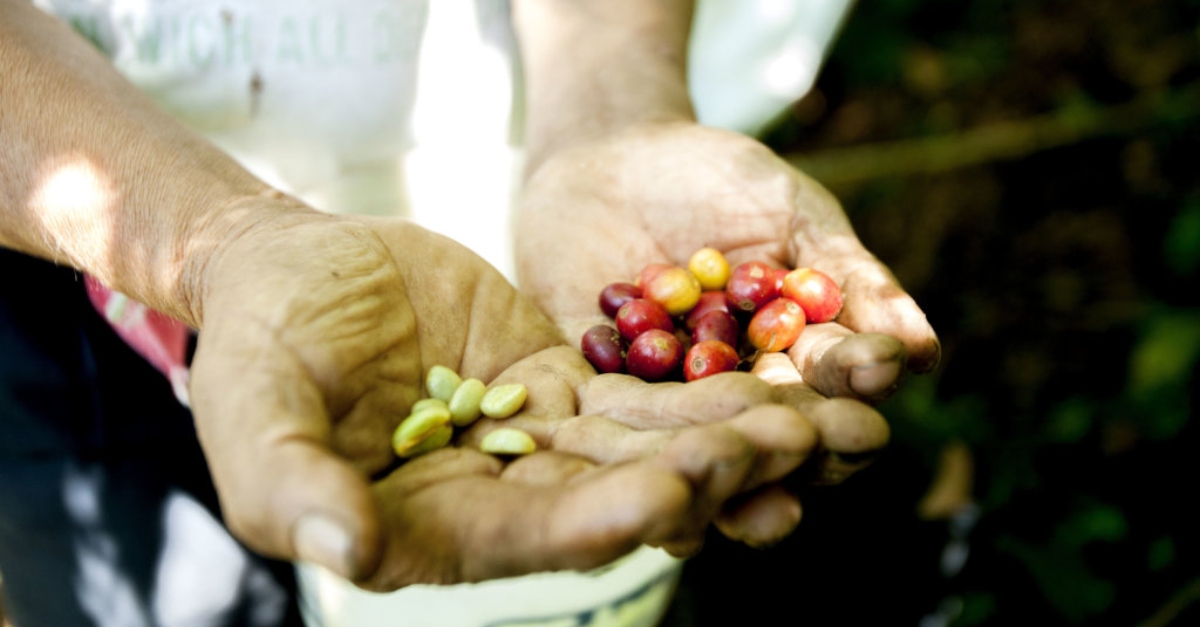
440	383
428	402
464	405
503	401
433	440
507	441
455	402
418	426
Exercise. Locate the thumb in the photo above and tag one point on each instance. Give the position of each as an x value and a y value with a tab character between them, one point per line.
876	303
264	428
823	237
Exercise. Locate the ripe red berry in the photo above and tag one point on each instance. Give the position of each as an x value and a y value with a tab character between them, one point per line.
716	325
709	301
653	355
760	308
640	315
602	347
708	358
815	291
776	326
751	285
616	294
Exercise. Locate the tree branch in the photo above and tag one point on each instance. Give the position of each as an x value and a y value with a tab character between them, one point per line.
997	142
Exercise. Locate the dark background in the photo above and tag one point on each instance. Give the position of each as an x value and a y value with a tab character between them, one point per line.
1030	169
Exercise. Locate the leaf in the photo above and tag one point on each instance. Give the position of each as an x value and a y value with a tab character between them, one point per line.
1071	420
1167	351
1063	578
1093	522
1161	368
1160	554
1181	249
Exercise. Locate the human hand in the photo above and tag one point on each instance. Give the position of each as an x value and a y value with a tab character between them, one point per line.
316	333
604	208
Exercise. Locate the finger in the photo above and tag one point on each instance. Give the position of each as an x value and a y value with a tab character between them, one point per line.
762	444
717	460
549	414
547	468
596	520
763	513
853	436
782	439
838	362
442	465
282	490
599	439
762	518
643	405
472	527
875	303
851	433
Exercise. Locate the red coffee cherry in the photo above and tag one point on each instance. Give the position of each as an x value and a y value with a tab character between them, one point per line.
716	325
776	326
815	291
751	285
708	358
654	355
640	315
709	301
603	348
616	294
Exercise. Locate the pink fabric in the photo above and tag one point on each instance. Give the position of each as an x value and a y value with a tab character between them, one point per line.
159	338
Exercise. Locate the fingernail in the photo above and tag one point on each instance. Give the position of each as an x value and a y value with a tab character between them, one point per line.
874	379
926	366
320	540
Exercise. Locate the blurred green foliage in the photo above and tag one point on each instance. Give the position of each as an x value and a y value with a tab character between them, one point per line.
1065	286
1182	245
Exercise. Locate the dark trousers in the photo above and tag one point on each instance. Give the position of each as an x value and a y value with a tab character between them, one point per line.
107	513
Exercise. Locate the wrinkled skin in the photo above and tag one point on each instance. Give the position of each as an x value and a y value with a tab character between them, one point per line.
601	210
316	333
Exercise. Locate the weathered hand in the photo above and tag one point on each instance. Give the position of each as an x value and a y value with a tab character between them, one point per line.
599	211
316	333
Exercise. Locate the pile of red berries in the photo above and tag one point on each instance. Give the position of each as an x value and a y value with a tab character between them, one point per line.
707	317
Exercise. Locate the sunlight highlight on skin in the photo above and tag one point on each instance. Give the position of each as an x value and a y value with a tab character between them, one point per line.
74	196
777	369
